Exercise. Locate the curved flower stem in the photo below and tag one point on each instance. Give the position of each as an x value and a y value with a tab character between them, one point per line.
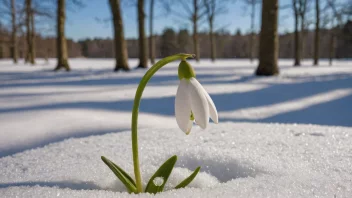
148	75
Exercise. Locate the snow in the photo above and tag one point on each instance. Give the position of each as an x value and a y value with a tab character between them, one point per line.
242	159
55	126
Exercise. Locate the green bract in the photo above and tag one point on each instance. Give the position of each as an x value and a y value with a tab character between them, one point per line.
185	70
157	181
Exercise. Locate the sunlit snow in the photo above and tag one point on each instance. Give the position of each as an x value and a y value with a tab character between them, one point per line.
55	126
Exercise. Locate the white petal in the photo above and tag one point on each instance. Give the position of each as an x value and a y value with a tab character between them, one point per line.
212	109
199	103
183	106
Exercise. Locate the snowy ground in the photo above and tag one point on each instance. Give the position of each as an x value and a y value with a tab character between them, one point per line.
40	109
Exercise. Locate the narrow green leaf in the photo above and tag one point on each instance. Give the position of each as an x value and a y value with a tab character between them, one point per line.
160	177
189	179
121	174
124	173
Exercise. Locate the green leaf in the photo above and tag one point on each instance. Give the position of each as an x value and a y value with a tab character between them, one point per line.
189	179
121	174
162	174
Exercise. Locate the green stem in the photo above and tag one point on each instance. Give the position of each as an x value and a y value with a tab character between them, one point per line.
148	75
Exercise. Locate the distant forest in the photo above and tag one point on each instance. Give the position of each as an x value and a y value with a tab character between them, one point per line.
171	42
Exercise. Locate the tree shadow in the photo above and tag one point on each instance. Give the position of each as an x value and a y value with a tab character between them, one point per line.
54	139
334	112
272	94
112	80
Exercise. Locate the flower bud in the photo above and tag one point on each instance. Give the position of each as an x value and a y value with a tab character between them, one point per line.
185	70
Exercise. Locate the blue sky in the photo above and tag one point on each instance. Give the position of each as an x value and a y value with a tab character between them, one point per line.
82	23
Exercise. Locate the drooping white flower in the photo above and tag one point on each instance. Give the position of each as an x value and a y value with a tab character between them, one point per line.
192	102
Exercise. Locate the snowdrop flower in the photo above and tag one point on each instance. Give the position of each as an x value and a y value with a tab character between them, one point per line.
192	102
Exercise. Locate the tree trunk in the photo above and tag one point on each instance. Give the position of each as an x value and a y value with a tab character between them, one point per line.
62	57
302	38
331	48
151	34
268	51
251	39
121	54
317	31
297	37
14	48
1	50
212	40
195	30
29	31
143	54
33	53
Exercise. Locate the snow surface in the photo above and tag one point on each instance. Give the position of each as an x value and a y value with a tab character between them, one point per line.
237	159
47	121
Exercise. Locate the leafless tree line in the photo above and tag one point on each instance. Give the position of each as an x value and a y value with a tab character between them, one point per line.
195	12
23	17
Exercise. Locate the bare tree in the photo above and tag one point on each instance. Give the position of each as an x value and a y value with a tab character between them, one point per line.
268	51
213	8
299	9
195	18
317	33
121	54
252	3
194	11
30	32
8	12
62	57
143	52
297	36
332	44
337	12
151	33
14	44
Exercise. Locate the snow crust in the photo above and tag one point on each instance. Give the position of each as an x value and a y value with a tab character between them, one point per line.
242	160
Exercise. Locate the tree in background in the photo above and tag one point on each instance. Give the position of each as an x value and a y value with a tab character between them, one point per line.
228	45
332	43
213	8
61	44
30	56
10	12
32	32
143	52
1	41
268	51
193	11
121	54
195	18
151	33
42	19
14	44
168	43
340	12
299	9
297	34
183	40
252	4
317	33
